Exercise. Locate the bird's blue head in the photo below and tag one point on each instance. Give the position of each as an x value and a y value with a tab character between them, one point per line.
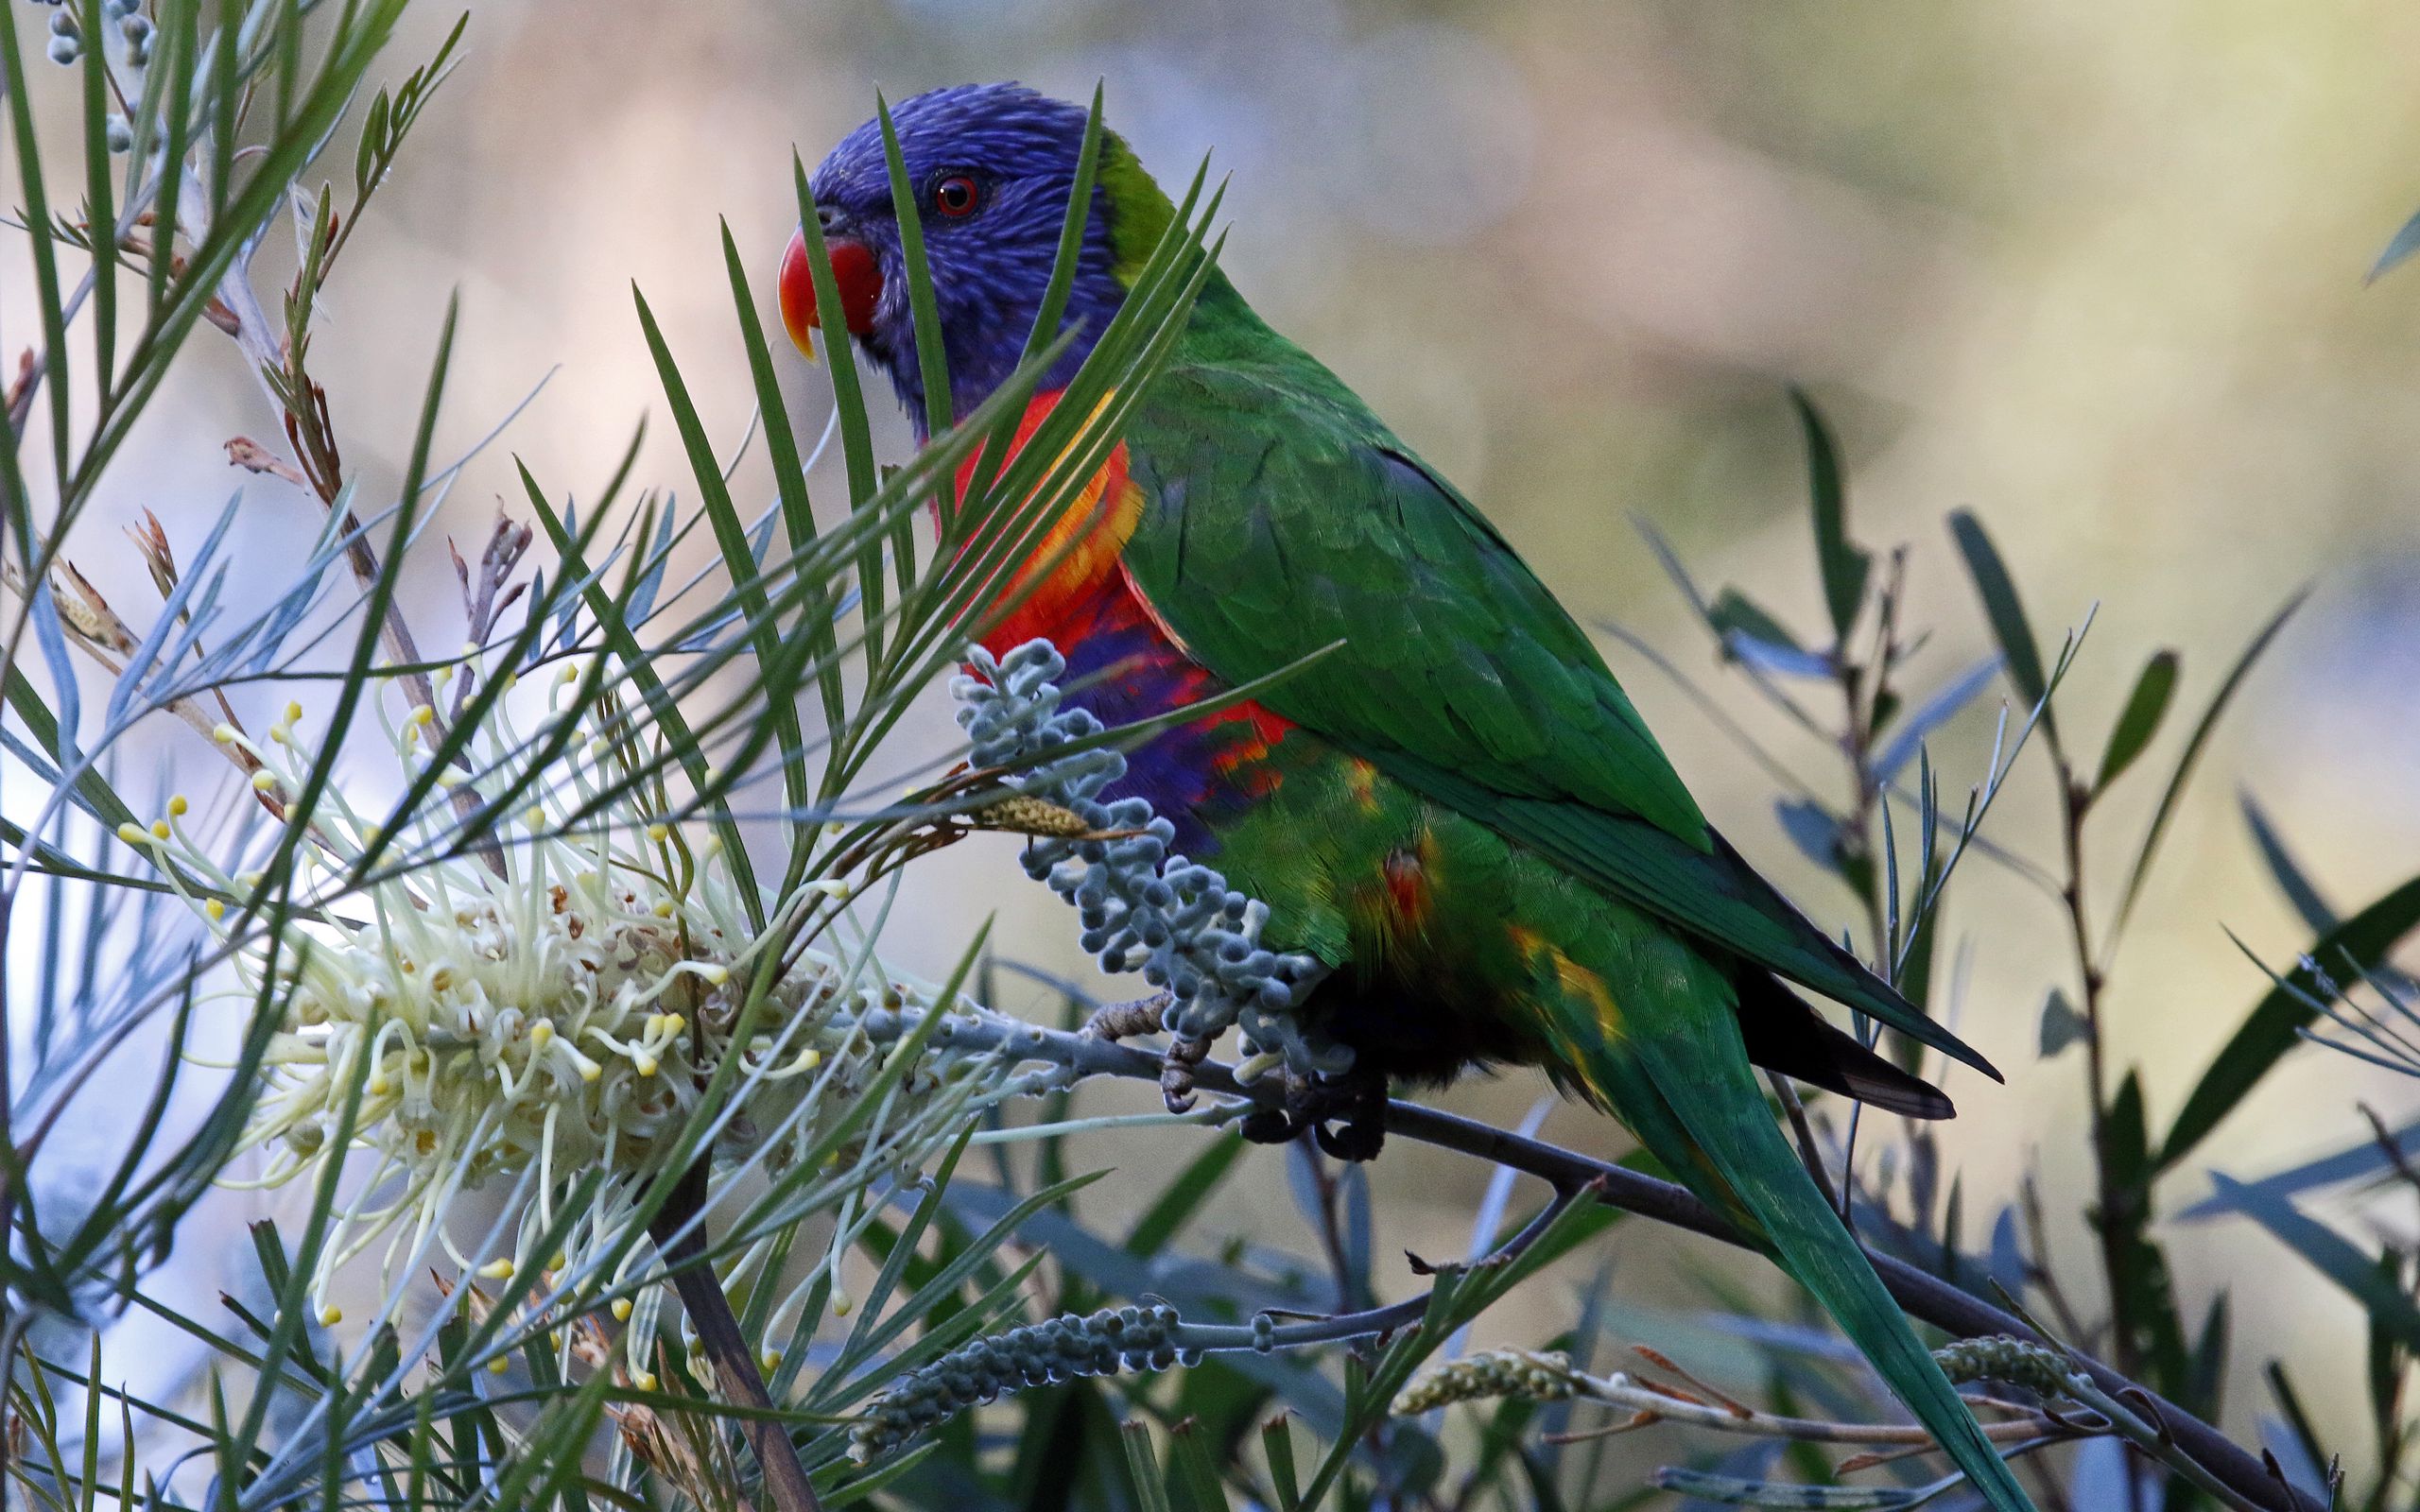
991	166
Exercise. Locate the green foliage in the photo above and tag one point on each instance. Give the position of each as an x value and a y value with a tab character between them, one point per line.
939	1211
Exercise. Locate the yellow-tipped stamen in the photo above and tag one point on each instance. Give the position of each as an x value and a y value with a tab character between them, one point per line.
506	1011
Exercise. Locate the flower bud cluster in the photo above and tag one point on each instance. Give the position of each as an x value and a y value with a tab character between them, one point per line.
1142	907
1535	1375
1066	1348
67	35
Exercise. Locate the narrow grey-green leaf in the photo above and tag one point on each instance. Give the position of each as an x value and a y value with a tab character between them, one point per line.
2005	610
2154	688
2405	243
2192	754
2358	1162
2314	909
1843	566
2390	1308
2062	1025
2271	1028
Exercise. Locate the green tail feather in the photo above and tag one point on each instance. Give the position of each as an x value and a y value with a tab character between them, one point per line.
1723	1130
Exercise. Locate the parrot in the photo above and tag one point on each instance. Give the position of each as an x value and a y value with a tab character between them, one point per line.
1459	812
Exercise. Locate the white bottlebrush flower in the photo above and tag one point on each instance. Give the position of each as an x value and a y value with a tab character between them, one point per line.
551	1003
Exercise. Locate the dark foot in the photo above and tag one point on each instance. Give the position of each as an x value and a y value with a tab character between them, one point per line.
1355	1104
1358	1117
1123	1020
1176	1073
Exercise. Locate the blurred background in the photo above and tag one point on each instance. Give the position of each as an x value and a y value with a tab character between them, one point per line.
2095	272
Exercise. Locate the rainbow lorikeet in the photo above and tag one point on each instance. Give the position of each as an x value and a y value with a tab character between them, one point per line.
1460	812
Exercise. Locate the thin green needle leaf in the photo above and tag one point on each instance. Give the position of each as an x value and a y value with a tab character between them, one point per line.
1277	1449
850	1494
730	534
45	251
932	358
1142	1465
1071	236
1175	1207
227	83
979	494
661	705
263	193
789	474
361	676
180	27
848	397
100	207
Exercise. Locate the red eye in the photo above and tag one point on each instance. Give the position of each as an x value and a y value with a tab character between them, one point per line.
957	196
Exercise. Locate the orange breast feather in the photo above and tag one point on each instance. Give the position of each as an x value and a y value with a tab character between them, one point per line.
1076	555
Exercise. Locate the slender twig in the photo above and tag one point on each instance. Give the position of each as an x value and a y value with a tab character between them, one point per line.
1652	1403
2182	1437
681	1235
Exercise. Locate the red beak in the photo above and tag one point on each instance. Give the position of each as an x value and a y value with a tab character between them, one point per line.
854	269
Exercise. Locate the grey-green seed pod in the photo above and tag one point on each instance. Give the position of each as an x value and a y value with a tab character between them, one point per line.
64	51
1143	907
120	135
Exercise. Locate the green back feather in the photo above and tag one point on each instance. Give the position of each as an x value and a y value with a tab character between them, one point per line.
1280	516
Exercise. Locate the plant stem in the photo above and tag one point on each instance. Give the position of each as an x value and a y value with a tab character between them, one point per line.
2113	1217
1925	1297
682	1240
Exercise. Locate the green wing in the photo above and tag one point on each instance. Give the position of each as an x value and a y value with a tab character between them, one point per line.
1280	516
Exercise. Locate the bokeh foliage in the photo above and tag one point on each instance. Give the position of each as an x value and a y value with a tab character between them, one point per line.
757	705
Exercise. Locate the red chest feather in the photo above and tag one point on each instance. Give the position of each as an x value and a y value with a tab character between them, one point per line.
1123	661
